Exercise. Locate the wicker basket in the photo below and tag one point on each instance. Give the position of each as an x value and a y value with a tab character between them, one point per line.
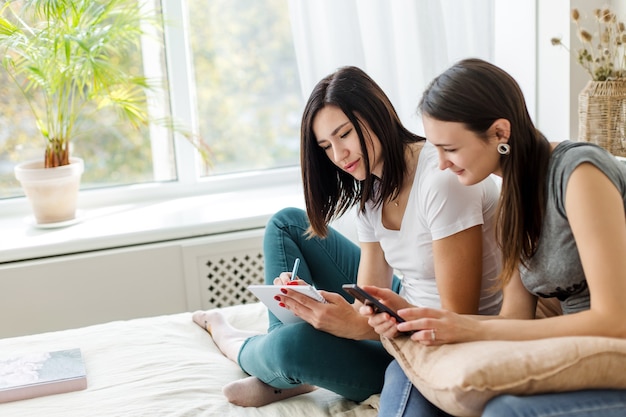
602	115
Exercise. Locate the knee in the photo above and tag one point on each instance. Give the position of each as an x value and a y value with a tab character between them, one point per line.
502	405
394	372
287	217
294	349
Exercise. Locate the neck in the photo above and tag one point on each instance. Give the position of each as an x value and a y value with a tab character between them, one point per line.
411	157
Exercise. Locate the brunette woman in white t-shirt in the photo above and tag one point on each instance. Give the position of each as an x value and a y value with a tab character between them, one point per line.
412	219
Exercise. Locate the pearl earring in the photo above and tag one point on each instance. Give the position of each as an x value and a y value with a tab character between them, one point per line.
504	148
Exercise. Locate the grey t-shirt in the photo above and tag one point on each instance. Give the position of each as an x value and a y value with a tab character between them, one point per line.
555	269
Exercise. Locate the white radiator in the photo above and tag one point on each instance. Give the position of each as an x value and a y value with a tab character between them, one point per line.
218	269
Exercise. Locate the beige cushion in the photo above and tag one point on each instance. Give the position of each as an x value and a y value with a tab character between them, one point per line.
461	378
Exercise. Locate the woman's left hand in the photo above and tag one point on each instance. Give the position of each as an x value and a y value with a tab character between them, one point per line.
382	322
432	326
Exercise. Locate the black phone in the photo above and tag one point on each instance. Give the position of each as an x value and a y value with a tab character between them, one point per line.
369	300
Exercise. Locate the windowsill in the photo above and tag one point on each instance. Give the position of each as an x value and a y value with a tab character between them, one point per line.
145	222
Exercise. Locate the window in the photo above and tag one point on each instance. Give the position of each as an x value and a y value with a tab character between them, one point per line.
232	76
247	83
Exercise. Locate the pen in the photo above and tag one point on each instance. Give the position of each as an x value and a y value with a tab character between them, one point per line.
294	271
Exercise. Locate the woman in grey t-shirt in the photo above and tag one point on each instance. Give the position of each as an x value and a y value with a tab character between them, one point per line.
561	226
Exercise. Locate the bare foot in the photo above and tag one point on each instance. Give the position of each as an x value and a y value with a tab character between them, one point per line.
227	338
252	392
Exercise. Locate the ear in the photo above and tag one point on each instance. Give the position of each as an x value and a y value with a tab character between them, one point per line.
502	130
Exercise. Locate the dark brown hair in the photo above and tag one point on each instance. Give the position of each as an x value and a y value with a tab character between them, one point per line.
476	93
329	191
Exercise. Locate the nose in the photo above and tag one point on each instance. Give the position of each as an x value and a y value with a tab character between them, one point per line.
443	161
443	164
339	153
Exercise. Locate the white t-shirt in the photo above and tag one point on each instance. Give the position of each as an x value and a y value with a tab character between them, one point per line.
438	206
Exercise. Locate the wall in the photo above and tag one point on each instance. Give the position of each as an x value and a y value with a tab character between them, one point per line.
118	284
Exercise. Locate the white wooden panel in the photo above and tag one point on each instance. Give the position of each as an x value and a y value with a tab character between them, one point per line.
78	290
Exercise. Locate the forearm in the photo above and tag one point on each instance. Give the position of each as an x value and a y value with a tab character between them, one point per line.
585	323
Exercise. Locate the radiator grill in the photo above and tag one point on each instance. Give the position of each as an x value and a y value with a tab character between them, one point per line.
227	279
218	269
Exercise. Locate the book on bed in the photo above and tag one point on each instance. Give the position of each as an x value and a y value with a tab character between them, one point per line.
32	375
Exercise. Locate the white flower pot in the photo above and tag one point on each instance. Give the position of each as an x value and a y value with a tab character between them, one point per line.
52	192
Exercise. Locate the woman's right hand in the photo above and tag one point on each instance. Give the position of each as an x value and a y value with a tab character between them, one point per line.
285	279
336	316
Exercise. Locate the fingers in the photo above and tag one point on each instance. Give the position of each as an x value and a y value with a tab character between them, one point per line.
429	337
283	279
426	325
301	303
415	313
376	291
366	310
384	325
294	301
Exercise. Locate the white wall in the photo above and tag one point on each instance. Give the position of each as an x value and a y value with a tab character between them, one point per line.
514	45
560	77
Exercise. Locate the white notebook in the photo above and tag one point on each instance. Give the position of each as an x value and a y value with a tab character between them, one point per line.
266	294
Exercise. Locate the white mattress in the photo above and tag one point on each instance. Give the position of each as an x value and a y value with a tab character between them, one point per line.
161	366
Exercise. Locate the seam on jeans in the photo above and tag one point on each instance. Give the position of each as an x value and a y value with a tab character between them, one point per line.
584	411
405	397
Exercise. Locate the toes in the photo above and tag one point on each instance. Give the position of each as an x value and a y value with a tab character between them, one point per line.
199	317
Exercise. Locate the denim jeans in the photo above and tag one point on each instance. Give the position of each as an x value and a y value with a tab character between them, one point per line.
585	403
400	398
293	354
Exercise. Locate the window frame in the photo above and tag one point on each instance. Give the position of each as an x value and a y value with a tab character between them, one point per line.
189	181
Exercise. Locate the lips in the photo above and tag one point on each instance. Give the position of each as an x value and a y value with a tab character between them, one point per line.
351	166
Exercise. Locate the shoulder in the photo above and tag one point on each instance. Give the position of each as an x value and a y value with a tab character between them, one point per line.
567	156
435	184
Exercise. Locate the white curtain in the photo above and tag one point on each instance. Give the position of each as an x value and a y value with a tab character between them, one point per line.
401	44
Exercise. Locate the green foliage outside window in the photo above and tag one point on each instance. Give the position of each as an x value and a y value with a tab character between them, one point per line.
248	99
247	82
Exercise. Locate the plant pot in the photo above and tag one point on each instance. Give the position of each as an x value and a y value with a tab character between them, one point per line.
52	192
602	115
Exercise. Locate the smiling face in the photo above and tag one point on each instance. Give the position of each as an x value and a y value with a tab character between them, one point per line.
336	135
464	152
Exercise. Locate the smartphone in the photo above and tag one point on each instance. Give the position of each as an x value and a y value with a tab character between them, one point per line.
369	300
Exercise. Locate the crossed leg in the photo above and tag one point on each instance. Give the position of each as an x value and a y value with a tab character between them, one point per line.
247	392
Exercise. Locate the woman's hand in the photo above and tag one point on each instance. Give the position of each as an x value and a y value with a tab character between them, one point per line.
285	279
382	323
336	316
432	326
429	326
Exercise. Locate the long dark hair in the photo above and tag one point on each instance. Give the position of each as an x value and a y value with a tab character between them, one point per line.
329	191
476	93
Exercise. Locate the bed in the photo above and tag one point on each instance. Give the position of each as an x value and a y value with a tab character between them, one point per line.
161	366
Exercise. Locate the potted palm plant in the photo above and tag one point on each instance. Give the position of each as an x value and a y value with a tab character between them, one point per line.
64	56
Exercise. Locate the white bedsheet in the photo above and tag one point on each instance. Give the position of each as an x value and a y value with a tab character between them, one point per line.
161	366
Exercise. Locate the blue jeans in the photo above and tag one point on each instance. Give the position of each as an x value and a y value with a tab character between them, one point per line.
294	354
585	403
400	398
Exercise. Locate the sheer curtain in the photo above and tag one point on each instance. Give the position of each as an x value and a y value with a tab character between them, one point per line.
401	44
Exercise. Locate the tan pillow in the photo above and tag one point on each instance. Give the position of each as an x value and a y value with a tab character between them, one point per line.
461	378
